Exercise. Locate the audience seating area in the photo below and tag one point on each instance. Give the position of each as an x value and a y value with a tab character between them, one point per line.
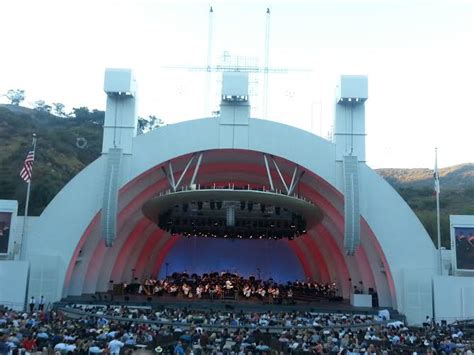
88	329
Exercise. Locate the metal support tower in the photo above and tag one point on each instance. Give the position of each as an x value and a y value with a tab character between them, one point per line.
209	59
265	72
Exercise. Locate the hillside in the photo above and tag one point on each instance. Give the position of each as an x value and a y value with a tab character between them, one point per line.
416	186
452	178
60	157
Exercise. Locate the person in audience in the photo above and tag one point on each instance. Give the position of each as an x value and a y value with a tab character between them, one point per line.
32	304
96	328
115	346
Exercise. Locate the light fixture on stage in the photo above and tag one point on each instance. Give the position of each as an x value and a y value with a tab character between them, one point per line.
214	212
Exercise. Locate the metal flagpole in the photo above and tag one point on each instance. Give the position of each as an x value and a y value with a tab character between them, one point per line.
27	203
438	223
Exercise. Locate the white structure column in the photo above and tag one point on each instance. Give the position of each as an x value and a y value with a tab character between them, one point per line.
349	138
349	124
120	124
120	127
235	111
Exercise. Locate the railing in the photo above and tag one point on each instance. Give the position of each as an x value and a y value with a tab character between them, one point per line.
13	305
232	186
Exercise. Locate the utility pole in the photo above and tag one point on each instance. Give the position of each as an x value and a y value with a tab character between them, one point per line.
438	223
209	60
267	59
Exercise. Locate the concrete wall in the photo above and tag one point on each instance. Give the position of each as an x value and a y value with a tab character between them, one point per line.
13	283
403	239
453	298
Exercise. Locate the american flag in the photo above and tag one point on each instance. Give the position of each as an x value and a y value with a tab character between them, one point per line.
27	169
436	181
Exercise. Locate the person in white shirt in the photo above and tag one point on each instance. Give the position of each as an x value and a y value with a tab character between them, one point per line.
32	304
115	346
60	347
94	349
41	303
70	347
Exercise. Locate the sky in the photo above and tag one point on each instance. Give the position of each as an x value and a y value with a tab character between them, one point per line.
417	54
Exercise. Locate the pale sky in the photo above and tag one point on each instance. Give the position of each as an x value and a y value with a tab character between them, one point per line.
417	54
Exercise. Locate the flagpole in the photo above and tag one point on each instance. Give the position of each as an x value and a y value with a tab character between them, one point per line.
27	203
438	223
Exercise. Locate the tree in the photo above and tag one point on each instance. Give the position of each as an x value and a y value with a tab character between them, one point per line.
155	122
149	124
15	96
41	106
59	109
81	113
85	115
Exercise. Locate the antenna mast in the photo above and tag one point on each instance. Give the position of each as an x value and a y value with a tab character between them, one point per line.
209	61
265	72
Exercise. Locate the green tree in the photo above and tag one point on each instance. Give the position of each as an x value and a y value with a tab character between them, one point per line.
42	107
81	113
15	96
59	109
149	124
